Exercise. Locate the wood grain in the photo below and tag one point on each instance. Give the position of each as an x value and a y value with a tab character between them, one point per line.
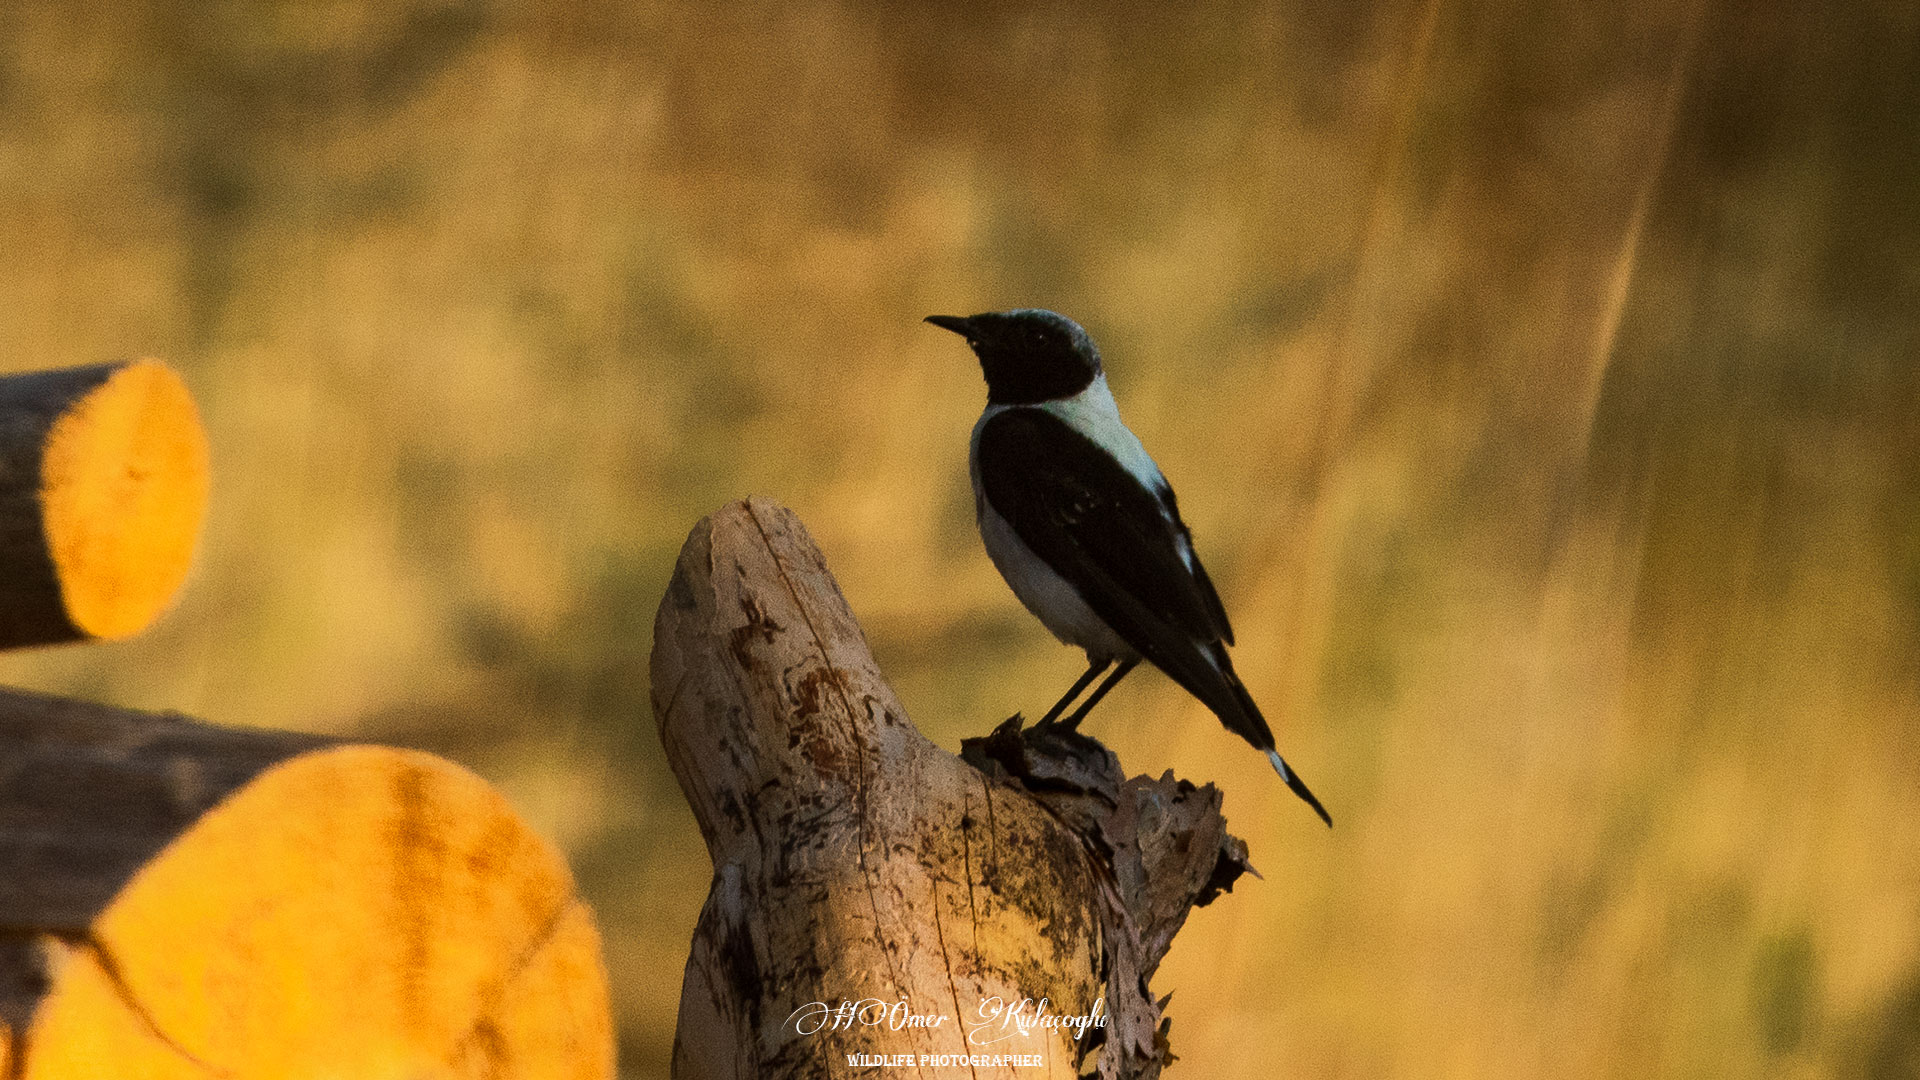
854	861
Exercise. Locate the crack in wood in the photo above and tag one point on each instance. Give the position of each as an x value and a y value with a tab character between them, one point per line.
1077	906
109	966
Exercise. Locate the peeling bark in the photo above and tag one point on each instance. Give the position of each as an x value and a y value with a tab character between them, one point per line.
854	861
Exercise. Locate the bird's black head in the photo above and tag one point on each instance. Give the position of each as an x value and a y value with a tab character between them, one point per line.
1028	355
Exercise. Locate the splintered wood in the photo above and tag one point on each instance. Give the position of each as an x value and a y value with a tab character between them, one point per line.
877	901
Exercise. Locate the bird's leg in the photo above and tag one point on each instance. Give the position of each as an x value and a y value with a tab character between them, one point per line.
1094	668
1079	714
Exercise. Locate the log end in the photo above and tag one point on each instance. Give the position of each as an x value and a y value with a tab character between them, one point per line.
351	911
123	488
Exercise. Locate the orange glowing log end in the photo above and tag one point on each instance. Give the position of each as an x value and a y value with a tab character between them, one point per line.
103	483
340	911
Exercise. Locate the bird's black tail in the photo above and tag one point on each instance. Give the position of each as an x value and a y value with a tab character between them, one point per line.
1243	717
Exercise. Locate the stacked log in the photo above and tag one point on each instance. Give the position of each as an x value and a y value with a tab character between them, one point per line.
184	900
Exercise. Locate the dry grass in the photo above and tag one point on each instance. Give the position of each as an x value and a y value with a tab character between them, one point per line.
1538	379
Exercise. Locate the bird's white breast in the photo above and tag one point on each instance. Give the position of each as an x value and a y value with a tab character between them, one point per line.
1051	598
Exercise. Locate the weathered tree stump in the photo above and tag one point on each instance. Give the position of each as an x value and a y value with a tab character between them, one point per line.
179	900
875	899
103	482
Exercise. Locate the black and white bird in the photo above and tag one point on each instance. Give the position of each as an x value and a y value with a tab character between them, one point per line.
1085	529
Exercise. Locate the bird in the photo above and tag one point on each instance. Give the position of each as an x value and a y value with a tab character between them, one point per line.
1085	529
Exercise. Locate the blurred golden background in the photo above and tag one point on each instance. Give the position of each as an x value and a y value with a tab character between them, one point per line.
1538	378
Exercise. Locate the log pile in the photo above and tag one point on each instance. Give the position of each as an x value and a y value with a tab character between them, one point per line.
184	900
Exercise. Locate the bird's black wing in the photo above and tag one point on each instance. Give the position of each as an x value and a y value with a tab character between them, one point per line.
1098	527
1208	596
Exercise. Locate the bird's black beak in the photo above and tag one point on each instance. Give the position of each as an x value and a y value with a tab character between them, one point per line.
955	323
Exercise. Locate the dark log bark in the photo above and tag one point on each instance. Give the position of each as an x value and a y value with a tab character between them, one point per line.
89	794
855	861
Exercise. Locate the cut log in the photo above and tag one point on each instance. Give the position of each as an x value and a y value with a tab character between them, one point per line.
179	900
103	482
877	900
